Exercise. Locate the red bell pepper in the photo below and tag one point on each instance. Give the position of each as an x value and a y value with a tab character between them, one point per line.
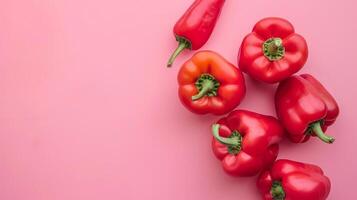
210	84
273	51
290	180
305	108
194	28
246	142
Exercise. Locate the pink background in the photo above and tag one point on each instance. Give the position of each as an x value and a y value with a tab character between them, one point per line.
88	109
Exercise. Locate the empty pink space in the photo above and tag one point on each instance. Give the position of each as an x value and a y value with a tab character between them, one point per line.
88	109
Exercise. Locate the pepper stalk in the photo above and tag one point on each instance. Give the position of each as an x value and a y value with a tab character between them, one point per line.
233	143
277	191
207	85
273	49
317	130
183	44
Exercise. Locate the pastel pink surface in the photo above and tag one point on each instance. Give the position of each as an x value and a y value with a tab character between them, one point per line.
89	110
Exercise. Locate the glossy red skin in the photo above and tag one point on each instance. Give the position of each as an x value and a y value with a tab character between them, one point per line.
302	100
261	135
252	60
198	22
300	181
231	90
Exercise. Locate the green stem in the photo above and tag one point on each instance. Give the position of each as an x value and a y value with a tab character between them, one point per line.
181	47
207	86
273	49
316	127
277	191
225	141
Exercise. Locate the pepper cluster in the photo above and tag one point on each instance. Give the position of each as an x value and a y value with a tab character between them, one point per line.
247	143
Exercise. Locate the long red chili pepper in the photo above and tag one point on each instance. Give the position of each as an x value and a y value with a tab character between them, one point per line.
195	27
